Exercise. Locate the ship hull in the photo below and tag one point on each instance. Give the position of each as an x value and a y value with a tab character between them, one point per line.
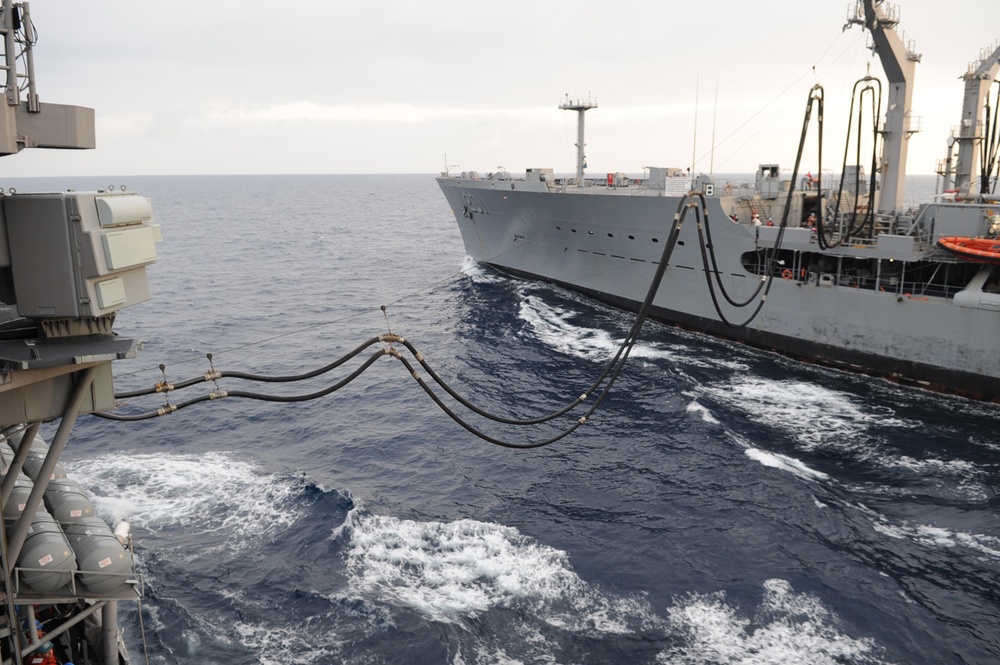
606	246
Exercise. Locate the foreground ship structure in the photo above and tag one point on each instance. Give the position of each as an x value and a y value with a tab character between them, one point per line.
68	262
839	273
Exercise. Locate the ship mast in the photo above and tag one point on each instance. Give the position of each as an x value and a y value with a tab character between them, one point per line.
581	106
899	63
978	79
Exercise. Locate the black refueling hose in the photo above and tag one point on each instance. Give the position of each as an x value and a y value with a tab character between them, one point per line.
867	220
608	376
990	145
694	201
708	257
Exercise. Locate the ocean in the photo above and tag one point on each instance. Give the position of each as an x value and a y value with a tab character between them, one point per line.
724	505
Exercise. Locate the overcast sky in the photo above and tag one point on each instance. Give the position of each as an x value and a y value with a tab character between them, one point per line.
328	86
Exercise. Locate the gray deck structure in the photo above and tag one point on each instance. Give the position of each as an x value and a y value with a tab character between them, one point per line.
68	262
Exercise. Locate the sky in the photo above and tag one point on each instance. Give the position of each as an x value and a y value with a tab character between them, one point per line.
399	86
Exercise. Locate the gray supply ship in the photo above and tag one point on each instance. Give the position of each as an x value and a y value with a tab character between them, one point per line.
68	262
839	273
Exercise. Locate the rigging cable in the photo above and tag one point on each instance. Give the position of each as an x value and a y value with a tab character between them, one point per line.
610	373
707	246
793	84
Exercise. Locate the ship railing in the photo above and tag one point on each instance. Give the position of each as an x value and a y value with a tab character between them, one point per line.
130	587
890	285
921	227
17	45
908	225
917	290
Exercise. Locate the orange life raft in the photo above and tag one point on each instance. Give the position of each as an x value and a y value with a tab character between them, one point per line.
979	250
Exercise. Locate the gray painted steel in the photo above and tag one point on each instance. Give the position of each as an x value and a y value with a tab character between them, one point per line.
877	297
604	242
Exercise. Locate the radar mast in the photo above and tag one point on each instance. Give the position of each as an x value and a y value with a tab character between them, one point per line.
581	106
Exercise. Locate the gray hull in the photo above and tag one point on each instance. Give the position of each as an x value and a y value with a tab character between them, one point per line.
938	332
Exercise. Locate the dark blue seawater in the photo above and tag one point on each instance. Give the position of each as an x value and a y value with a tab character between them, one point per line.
724	506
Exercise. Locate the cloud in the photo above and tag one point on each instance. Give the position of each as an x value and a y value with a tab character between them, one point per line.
374	113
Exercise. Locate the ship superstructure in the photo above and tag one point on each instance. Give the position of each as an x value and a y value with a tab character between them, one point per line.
836	272
68	262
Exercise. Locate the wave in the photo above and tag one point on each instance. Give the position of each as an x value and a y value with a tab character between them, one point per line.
453	570
936	536
816	418
811	414
554	326
787	627
205	494
785	463
479	273
456	572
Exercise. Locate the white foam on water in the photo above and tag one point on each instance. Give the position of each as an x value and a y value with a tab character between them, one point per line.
816	417
450	571
532	648
478	274
951	477
323	637
955	477
703	411
785	463
776	460
938	537
811	414
787	627
961	468
554	326
207	493
280	645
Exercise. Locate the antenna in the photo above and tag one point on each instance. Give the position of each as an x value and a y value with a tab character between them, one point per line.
694	148
715	115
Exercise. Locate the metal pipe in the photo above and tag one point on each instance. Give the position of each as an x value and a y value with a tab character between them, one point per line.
109	628
993	198
77	618
20	455
29	57
10	53
20	533
10	609
31	632
581	157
